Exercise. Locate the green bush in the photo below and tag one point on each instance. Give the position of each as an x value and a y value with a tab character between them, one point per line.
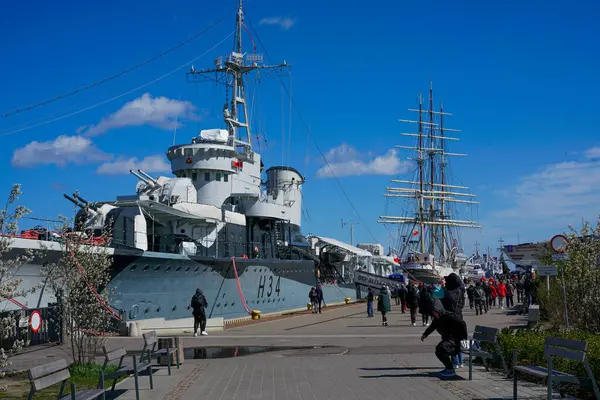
530	344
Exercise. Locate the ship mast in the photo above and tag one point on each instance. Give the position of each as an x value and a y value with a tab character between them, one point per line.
231	74
432	196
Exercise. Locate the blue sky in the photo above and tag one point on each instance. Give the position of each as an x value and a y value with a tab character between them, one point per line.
520	77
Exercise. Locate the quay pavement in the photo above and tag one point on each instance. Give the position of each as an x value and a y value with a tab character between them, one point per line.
340	354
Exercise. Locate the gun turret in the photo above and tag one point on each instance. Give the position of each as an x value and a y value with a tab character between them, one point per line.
72	200
85	202
87	207
146	181
154	181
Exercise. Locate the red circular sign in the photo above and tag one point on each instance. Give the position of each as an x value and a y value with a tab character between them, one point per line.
35	321
559	244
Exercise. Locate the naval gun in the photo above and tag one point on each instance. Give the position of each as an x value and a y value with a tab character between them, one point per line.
81	203
144	177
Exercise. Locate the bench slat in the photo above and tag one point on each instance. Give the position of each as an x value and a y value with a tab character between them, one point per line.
482	337
86	395
564	353
487	330
567	343
150	337
49	380
115	354
46	369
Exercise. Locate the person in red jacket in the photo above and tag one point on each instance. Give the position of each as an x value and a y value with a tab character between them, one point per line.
493	294
501	294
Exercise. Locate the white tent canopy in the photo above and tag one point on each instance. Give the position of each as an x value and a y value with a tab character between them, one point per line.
345	246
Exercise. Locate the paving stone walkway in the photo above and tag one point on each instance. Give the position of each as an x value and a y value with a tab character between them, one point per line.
365	361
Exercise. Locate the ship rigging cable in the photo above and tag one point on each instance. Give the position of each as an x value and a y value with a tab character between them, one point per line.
125	71
239	287
122	94
293	103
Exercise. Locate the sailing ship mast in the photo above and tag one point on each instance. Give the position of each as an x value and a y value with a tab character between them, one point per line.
430	190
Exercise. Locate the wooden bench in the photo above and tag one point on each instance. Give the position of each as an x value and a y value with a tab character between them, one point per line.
55	372
150	351
124	370
574	350
484	334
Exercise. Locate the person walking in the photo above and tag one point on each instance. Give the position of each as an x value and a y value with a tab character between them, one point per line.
510	292
425	305
384	304
501	294
470	290
370	298
479	298
412	301
199	305
312	296
319	296
402	295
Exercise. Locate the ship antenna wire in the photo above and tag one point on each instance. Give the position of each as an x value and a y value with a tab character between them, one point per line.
125	71
303	121
122	94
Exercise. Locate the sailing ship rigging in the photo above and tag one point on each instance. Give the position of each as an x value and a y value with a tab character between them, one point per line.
432	214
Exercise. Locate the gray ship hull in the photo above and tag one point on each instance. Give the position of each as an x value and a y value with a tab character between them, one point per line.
151	285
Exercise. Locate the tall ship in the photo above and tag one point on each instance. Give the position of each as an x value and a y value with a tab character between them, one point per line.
429	245
222	224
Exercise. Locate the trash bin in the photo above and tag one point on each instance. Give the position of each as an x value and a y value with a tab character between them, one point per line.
175	344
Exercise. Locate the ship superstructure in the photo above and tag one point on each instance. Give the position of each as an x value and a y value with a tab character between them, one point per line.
429	240
222	224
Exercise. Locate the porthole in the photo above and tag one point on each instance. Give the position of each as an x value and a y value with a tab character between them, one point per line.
133	267
146	267
178	269
168	268
133	312
197	268
157	268
187	269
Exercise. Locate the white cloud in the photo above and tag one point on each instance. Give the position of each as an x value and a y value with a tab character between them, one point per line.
148	164
345	160
594	153
284	23
160	112
555	197
61	151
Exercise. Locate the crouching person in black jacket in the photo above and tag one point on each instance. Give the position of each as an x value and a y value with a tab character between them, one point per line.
453	329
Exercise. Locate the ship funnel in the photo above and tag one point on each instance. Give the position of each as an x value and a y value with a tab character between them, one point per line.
146	181
148	176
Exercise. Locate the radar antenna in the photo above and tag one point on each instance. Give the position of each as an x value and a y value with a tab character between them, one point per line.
230	71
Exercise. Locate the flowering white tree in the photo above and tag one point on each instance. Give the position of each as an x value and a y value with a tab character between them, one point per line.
79	278
9	285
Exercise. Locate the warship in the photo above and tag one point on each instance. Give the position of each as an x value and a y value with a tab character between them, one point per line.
217	225
429	239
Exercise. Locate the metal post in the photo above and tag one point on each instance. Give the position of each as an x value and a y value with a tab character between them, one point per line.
564	290
548	284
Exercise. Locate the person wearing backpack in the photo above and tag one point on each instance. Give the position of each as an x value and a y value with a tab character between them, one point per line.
312	296
198	305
